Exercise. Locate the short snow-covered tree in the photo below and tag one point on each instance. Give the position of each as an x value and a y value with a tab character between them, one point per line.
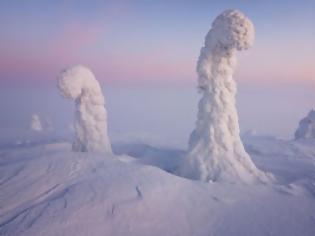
36	124
79	83
216	151
306	129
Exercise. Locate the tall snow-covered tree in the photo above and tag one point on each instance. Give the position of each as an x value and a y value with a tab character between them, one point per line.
216	151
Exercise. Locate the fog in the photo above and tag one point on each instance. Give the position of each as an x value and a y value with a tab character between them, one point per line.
163	115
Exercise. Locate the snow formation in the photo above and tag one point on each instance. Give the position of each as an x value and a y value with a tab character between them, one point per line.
79	83
216	151
36	124
306	129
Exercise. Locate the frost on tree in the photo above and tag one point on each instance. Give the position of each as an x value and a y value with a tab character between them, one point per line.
36	123
216	151
78	83
306	129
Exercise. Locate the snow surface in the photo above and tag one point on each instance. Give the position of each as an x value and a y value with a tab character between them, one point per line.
216	152
79	83
46	189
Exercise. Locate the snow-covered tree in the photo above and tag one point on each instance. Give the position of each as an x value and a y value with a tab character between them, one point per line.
216	151
306	129
79	83
36	124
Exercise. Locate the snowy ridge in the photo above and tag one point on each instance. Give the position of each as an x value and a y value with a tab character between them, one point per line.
49	190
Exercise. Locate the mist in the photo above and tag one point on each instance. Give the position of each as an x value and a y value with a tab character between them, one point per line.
156	114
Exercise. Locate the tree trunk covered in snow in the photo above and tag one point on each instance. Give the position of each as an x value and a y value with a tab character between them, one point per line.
216	151
90	125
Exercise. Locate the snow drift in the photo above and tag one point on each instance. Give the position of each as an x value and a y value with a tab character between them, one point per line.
47	190
215	150
306	129
78	83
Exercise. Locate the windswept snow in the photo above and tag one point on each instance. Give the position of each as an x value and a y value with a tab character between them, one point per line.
50	190
79	83
216	152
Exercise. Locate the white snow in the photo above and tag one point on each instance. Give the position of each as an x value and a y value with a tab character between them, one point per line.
79	83
47	189
216	152
306	129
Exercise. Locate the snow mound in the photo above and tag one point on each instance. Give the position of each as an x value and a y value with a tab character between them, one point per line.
216	152
50	190
306	129
79	83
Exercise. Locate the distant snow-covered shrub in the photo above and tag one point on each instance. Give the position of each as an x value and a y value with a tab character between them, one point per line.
36	124
306	129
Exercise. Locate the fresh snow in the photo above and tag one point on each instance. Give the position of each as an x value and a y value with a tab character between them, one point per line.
46	189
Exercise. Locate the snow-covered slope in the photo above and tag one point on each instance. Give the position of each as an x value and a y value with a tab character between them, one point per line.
48	190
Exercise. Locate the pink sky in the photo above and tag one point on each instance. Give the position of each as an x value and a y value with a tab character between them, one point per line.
126	44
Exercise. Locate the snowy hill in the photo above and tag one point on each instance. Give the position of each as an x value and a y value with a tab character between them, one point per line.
48	190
